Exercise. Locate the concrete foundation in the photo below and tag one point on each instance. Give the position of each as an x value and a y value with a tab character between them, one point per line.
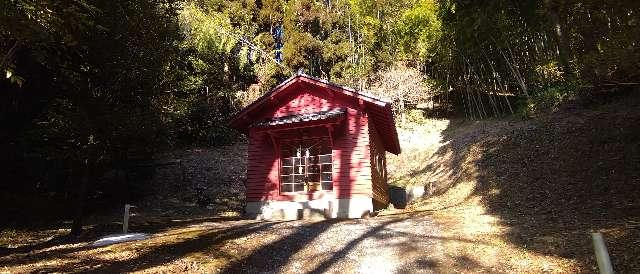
355	207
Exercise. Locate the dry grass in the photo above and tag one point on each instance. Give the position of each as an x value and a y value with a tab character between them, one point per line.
480	241
419	144
483	238
156	252
525	195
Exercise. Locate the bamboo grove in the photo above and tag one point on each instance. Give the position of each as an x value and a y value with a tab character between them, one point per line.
536	52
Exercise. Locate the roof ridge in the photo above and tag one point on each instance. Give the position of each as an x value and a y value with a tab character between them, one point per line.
361	92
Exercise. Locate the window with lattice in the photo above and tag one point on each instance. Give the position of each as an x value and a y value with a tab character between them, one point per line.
306	165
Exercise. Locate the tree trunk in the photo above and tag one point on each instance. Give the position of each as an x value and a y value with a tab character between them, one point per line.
80	199
558	17
589	70
6	59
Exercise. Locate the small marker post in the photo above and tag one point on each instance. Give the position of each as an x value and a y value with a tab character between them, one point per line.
125	222
602	256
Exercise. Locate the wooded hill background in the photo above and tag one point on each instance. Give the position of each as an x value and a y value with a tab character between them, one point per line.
92	89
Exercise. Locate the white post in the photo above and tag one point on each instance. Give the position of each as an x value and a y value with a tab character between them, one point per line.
602	256
207	87
125	222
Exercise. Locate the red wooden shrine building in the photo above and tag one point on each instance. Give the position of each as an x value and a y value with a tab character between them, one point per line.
316	148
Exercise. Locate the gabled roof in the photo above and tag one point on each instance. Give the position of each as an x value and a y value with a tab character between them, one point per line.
378	109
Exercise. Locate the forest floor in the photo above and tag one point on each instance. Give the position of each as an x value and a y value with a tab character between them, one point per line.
534	189
504	195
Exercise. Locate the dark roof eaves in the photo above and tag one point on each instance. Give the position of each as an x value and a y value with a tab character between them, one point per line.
299	118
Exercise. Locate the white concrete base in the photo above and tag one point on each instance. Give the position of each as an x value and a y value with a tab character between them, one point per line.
355	207
119	238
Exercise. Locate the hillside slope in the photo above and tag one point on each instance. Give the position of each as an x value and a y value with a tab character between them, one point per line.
544	183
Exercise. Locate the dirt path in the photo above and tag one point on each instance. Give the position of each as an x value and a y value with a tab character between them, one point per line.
406	243
399	242
386	244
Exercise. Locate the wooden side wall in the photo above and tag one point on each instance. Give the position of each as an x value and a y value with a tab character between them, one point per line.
262	167
351	153
380	189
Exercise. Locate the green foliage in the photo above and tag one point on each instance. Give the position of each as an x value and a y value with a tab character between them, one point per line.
90	85
416	117
418	30
99	84
547	99
213	66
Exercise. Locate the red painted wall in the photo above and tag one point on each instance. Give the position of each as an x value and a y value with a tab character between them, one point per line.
351	153
351	150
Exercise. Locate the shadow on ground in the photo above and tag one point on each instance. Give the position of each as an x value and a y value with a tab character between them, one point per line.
554	179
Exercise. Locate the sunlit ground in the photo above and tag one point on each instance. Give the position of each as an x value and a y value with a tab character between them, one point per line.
476	240
384	244
464	239
480	197
482	239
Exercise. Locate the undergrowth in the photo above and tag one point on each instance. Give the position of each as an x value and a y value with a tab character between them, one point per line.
546	99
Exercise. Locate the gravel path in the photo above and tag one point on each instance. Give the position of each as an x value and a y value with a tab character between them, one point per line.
402	243
387	244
